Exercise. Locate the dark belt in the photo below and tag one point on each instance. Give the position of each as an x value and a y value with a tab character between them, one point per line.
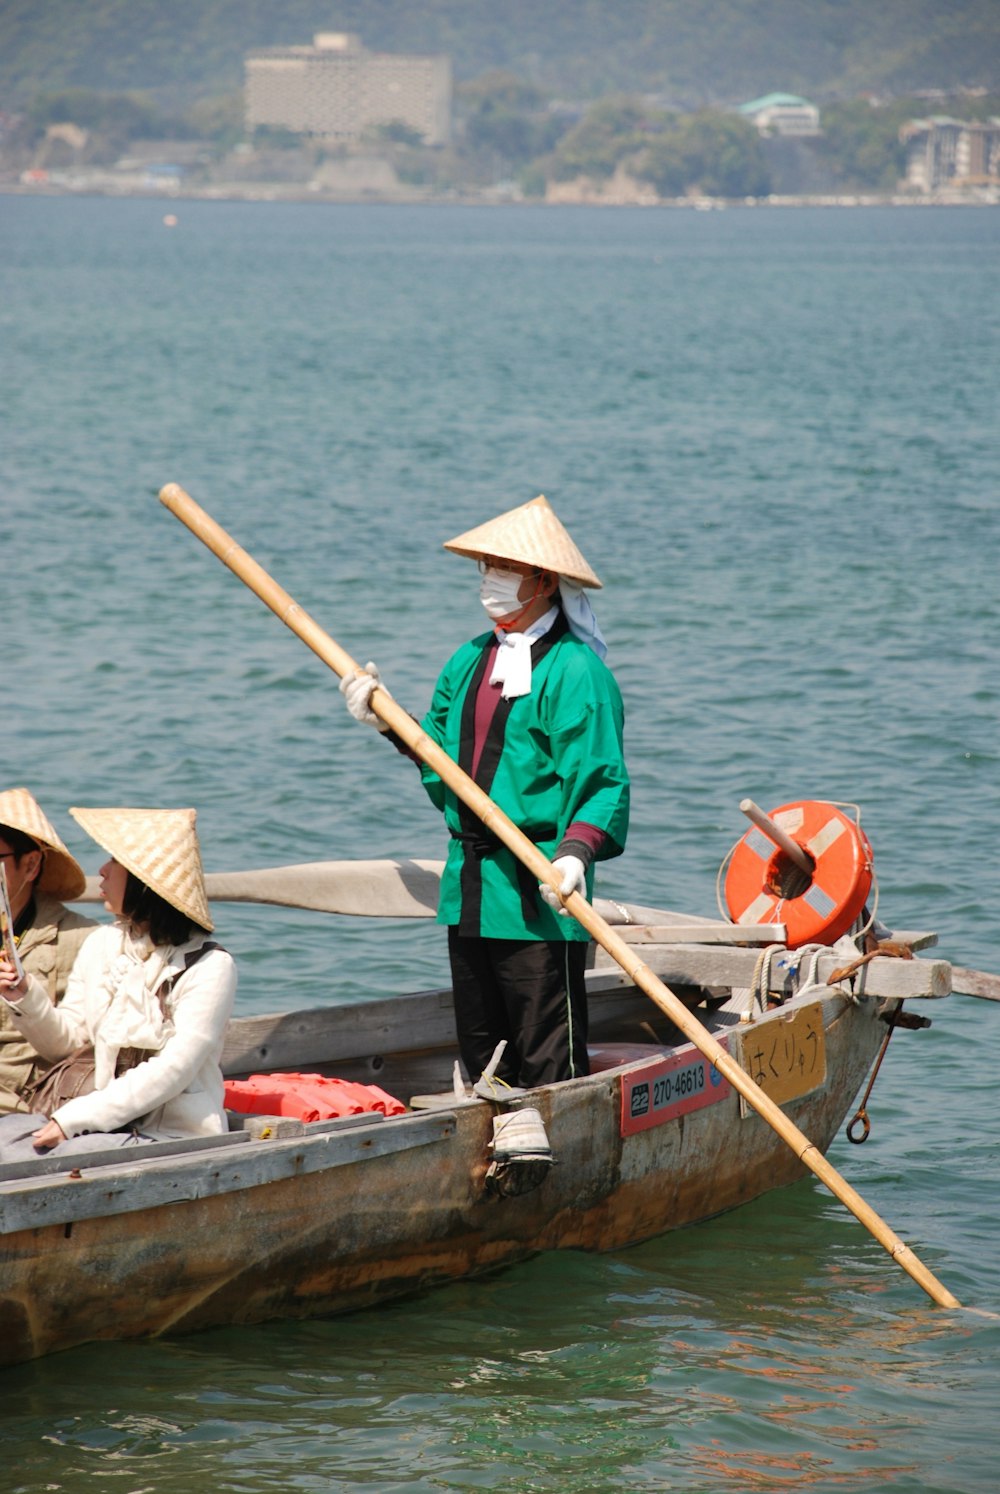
482	843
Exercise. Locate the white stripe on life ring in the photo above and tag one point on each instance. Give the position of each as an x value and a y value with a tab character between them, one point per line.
824	839
760	906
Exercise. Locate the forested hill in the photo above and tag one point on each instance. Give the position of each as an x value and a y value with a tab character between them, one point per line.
693	52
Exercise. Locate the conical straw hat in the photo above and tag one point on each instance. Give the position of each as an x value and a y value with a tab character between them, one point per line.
160	847
61	875
531	535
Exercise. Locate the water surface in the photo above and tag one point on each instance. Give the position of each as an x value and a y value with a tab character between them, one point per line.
774	436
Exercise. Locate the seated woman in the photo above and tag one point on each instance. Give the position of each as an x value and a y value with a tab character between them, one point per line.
150	995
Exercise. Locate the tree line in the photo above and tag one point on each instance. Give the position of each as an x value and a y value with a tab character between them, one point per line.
713	52
508	128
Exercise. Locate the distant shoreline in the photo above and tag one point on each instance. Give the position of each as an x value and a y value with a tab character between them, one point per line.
278	192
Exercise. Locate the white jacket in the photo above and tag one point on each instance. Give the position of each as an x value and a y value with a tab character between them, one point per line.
177	1091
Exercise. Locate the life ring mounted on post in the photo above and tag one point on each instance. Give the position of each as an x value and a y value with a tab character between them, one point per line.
764	885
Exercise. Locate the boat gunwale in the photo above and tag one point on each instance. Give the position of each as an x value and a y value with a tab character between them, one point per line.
241	1162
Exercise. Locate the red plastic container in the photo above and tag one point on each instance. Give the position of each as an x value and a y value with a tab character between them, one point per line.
307	1097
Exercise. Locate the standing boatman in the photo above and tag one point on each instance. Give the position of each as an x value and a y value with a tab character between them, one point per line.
533	714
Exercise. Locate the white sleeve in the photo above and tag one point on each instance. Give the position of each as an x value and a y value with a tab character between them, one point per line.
201	1002
54	1031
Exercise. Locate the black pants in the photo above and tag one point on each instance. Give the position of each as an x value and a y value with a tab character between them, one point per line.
530	992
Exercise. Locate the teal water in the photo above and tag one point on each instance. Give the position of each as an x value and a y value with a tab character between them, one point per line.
774	436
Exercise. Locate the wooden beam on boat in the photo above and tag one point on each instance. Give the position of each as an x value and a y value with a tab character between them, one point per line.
33	1202
418	1020
703	933
423	1020
713	967
415	1022
49	1163
913	938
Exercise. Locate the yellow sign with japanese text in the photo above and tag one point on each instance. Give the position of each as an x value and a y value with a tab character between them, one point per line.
785	1056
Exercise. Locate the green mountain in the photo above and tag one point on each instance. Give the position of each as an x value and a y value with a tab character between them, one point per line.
691	52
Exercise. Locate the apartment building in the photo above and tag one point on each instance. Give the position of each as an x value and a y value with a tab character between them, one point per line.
941	152
338	90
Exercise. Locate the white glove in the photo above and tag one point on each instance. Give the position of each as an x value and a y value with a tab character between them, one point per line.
357	691
574	879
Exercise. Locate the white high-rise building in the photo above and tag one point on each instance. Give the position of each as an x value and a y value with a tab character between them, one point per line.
337	90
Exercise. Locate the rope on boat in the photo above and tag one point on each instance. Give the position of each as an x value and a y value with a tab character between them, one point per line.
760	981
804	962
720	904
804	965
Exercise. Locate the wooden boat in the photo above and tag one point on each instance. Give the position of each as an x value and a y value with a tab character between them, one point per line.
282	1218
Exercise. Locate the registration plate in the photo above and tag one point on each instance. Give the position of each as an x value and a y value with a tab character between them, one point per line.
666	1088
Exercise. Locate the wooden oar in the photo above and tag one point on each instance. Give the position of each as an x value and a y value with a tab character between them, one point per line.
370	889
387	889
410	889
975	983
385	707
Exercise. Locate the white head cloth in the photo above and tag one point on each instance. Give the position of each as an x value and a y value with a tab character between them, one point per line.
580	616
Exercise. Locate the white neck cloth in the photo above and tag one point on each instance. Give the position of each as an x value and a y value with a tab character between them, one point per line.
133	1016
512	667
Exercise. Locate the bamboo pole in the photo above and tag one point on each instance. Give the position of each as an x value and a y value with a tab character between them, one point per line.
204	527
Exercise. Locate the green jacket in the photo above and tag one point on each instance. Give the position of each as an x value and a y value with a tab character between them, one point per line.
550	757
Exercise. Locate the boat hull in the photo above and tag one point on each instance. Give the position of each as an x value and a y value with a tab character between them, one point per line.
378	1216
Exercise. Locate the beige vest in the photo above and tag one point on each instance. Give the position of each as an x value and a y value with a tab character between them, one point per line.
47	949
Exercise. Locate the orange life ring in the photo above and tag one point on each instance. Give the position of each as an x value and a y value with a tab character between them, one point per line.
763	885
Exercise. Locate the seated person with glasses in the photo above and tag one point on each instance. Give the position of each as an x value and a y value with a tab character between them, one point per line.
40	872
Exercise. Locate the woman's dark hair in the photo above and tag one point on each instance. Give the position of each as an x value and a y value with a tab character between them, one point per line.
146	909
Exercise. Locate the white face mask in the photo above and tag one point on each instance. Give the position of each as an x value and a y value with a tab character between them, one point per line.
499	593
